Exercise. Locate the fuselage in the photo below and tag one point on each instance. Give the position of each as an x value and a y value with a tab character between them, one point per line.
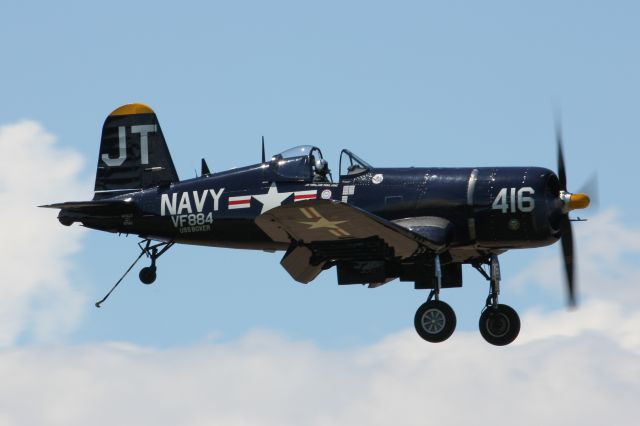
492	209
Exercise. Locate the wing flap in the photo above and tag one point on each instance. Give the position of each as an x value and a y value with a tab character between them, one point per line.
297	262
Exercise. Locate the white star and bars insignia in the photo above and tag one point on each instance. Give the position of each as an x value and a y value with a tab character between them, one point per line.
305	195
321	222
241	202
270	199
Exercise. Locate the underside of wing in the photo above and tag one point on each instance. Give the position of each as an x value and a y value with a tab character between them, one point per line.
437	231
323	232
323	221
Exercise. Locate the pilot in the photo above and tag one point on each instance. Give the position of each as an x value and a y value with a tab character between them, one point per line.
321	170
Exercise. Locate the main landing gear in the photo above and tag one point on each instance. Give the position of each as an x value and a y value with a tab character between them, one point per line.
435	321
147	274
499	324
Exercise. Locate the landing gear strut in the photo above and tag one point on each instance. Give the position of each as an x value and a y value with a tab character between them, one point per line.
499	324
147	274
435	321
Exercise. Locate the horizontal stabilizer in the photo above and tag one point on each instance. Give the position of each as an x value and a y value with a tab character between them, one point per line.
106	207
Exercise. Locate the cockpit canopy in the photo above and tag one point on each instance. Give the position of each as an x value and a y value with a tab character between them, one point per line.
302	163
306	163
299	151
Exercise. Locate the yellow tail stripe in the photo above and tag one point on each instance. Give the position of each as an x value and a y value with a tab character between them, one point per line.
130	109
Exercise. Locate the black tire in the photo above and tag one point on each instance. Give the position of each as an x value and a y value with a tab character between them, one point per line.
147	275
499	325
435	321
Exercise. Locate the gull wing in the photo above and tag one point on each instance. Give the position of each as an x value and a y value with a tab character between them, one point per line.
317	221
323	231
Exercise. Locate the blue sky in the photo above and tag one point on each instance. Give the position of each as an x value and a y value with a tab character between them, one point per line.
400	83
414	83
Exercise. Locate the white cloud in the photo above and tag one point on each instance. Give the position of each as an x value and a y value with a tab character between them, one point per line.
37	298
605	257
608	294
265	379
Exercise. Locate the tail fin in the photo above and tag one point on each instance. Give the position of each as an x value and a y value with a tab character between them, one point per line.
133	153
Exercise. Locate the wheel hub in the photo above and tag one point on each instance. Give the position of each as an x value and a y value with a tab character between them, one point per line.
433	321
498	325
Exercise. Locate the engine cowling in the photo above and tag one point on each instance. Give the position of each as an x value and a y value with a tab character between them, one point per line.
515	207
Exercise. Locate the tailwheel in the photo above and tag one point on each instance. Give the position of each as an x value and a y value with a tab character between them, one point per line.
147	274
435	321
499	324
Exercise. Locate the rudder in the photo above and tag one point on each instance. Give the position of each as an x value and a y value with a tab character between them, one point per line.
133	153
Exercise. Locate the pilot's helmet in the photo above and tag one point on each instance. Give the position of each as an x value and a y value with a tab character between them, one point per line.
321	166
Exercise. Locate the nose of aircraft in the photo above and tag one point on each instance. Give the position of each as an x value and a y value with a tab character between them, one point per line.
579	201
574	201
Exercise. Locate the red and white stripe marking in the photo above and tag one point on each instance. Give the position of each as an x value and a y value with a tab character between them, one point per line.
305	195
242	202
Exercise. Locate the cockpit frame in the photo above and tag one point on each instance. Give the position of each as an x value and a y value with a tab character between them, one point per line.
305	163
356	165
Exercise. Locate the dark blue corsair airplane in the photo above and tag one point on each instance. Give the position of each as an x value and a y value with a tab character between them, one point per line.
373	224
